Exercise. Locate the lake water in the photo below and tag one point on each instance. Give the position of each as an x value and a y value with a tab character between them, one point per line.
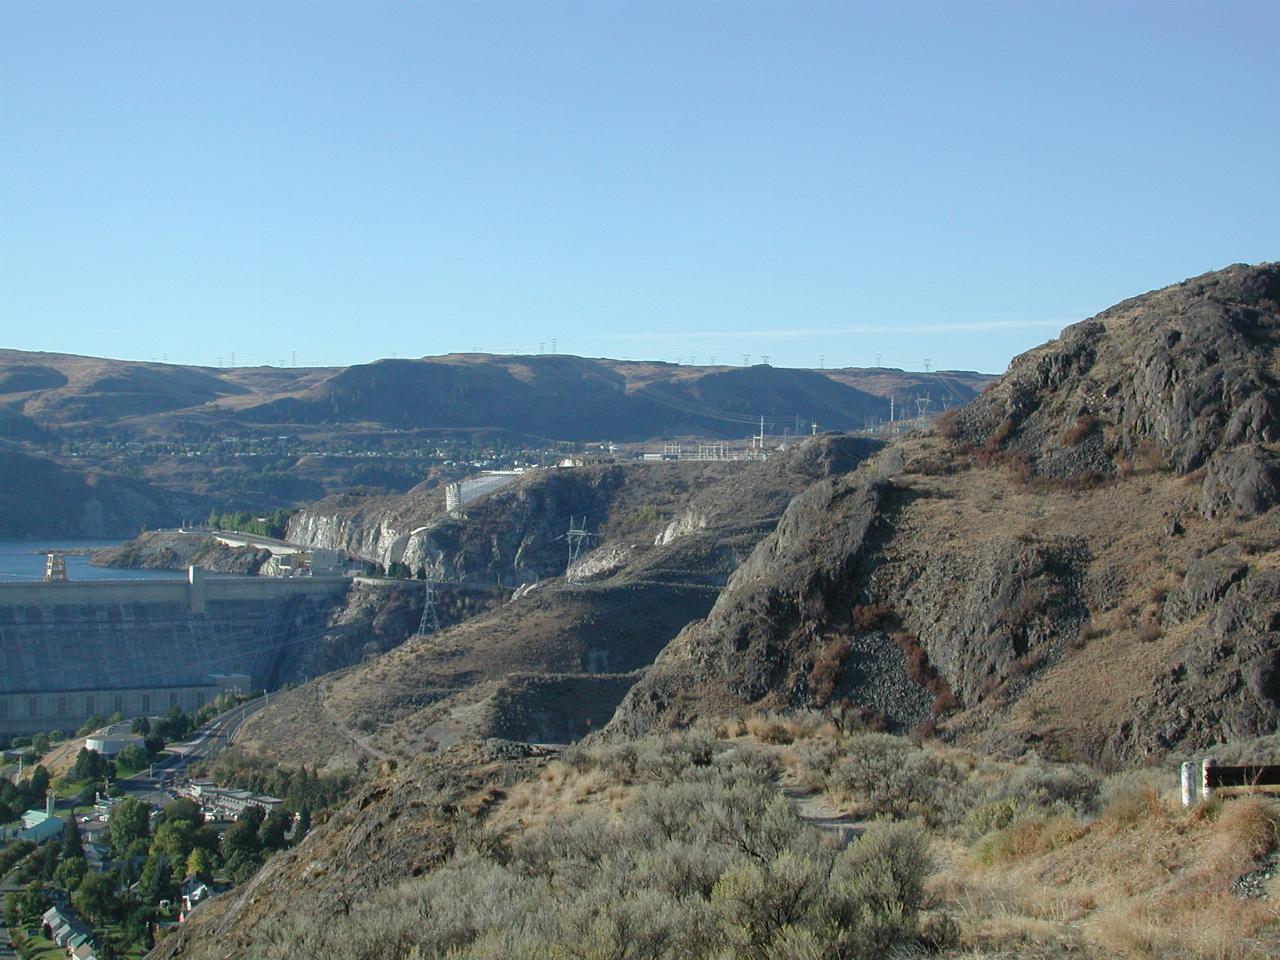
24	560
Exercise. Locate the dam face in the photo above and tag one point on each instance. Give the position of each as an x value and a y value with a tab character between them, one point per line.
72	650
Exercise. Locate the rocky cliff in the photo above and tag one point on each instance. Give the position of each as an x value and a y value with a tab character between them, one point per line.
557	657
1083	559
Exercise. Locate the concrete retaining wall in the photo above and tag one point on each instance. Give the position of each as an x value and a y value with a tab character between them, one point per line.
67	710
152	638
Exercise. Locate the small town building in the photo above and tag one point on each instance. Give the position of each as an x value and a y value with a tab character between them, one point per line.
38	825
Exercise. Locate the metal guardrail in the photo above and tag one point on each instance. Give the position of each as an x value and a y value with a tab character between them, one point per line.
1204	778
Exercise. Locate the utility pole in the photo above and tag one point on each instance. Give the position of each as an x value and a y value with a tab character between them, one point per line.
890	406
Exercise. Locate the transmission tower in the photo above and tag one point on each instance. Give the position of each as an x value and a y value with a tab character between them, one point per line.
922	406
746	359
576	537
430	622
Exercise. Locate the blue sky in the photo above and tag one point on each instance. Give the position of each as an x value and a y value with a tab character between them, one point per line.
338	182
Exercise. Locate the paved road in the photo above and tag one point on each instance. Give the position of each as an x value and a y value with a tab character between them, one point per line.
208	741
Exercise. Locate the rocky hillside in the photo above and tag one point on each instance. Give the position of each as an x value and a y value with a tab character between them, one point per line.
175	550
515	536
552	662
42	497
1083	560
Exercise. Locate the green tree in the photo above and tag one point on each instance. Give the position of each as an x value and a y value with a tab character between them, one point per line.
274	827
304	823
200	864
174	838
71	845
133	757
70	872
38	785
182	809
88	765
96	897
128	824
241	838
157	883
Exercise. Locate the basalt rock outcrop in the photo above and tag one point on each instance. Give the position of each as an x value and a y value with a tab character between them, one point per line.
1082	560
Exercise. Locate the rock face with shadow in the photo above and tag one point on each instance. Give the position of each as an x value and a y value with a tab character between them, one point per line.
1084	559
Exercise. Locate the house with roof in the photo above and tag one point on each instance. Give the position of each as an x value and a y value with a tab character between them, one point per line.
38	825
66	928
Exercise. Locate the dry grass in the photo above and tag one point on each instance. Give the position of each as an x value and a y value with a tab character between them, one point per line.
560	789
1145	880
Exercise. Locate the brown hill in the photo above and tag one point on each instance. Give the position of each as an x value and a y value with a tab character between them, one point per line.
559	397
1083	559
552	663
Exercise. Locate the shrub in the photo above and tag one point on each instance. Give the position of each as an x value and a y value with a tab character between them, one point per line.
1248	826
825	672
1024	838
887	775
1132	796
1086	633
1149	631
948	424
715	864
867	617
1001	433
1077	431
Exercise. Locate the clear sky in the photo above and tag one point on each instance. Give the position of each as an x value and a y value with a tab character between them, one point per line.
341	181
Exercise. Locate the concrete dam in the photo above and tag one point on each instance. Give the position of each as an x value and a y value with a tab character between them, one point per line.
69	651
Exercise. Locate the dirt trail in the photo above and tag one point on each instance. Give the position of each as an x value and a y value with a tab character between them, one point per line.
817	810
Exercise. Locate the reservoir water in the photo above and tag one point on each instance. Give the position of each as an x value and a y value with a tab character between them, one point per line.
24	560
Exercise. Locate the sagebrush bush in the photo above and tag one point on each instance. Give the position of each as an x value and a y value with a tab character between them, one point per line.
887	775
711	862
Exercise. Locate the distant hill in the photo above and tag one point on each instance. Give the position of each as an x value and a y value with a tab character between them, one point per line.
41	497
555	397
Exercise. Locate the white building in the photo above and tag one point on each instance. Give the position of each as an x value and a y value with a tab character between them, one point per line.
39	825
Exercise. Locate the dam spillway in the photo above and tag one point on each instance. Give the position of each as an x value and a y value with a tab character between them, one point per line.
72	650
